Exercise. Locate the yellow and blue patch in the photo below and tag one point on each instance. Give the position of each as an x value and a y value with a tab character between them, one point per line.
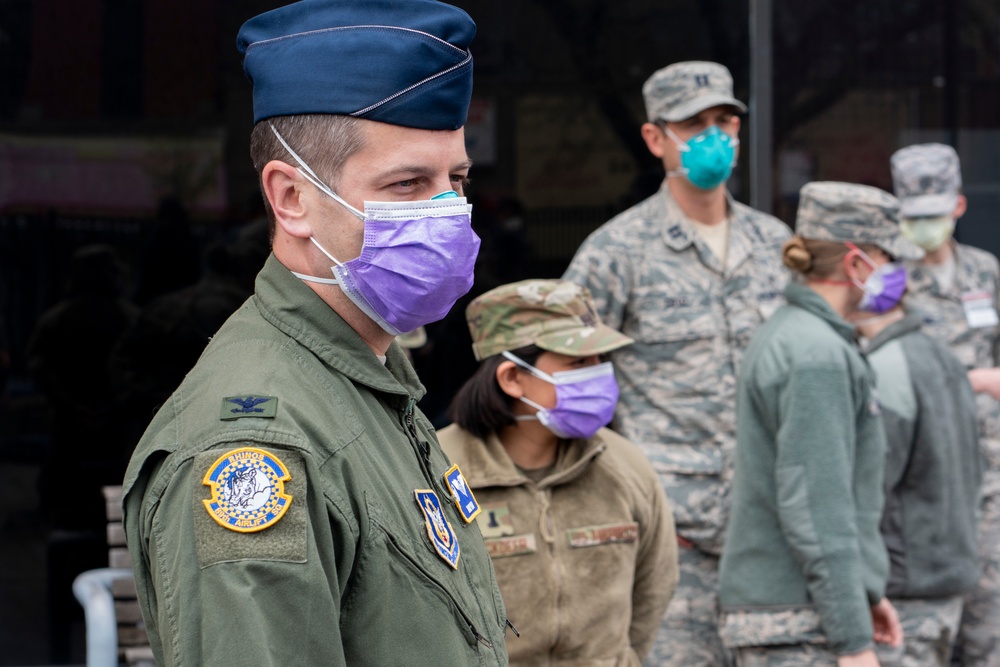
465	501
248	490
439	530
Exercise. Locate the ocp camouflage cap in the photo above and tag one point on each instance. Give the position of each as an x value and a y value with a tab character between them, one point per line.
927	179
556	315
682	90
849	212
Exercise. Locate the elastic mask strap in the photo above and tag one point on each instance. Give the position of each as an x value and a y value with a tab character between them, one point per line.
537	373
528	367
314	279
863	255
311	176
525	399
864	258
681	145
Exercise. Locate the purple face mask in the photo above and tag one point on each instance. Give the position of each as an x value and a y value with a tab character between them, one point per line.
585	399
884	286
417	259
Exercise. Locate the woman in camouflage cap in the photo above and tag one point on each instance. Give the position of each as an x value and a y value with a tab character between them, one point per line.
580	532
804	569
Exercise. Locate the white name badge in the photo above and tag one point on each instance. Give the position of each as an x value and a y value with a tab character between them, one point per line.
979	309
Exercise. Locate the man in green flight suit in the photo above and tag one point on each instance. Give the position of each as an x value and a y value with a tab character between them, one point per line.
289	504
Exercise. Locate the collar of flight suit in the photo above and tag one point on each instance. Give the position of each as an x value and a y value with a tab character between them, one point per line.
295	309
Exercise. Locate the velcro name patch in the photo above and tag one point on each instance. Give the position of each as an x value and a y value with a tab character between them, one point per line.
515	545
593	536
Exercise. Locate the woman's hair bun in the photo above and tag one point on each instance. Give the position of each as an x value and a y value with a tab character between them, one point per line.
796	255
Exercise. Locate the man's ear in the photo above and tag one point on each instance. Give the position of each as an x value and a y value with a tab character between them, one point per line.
961	206
283	186
654	137
509	379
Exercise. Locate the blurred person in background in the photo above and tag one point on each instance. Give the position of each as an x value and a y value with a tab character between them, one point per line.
955	289
804	571
689	274
933	477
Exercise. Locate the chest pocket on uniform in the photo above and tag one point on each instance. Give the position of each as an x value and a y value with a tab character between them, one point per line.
399	562
666	317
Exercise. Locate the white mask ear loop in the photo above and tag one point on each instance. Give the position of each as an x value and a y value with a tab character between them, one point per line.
311	176
314	279
537	373
528	367
536	406
682	147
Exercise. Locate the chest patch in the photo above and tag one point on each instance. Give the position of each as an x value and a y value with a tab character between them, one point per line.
979	309
438	529
234	407
248	490
592	536
465	501
516	545
495	521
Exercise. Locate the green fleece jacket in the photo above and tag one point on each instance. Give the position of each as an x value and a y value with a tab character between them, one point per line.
933	472
807	494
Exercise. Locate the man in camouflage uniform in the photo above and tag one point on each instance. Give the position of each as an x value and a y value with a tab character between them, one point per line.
956	288
689	274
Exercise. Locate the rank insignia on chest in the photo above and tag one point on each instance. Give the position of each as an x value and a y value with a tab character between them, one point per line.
438	529
234	407
248	490
465	501
495	521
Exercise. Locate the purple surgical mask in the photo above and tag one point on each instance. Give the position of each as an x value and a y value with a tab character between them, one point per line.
417	259
585	399
884	286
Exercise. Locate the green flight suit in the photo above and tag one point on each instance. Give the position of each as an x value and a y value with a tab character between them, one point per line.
353	569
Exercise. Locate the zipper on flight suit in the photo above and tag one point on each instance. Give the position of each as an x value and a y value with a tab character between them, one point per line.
422	445
425	452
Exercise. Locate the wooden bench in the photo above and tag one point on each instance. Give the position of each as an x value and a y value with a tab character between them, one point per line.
133	644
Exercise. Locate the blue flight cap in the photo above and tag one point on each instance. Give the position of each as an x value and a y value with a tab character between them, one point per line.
405	62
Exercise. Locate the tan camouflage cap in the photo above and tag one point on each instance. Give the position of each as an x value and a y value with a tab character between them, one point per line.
927	179
682	90
556	315
848	212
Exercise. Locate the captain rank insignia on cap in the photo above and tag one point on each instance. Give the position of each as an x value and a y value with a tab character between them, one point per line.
438	529
248	490
465	501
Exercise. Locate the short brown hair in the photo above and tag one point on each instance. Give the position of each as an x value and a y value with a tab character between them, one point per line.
323	141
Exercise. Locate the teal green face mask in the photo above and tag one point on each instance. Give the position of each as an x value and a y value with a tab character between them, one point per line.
707	158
